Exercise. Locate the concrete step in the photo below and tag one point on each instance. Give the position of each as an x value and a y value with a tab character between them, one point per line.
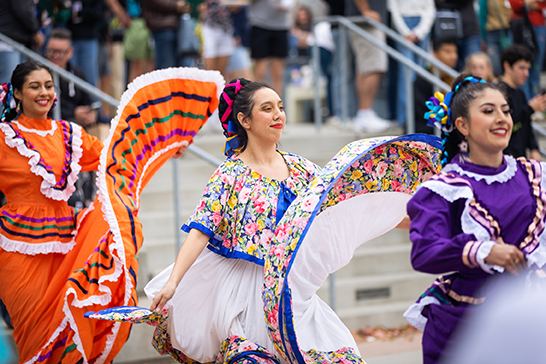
361	291
378	314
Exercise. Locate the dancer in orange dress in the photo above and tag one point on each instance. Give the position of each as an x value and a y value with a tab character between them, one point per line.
56	263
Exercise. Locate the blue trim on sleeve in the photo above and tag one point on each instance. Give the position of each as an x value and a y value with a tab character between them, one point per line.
195	225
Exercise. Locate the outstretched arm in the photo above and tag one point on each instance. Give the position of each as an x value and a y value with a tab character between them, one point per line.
192	247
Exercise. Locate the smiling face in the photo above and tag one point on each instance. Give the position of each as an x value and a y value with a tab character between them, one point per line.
267	118
489	125
37	94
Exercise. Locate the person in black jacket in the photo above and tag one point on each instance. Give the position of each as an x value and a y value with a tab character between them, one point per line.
470	42
445	50
516	61
75	104
19	22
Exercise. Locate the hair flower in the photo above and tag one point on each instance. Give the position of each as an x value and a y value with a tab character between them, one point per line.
438	116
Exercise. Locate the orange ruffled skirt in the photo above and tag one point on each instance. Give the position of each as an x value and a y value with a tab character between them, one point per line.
48	294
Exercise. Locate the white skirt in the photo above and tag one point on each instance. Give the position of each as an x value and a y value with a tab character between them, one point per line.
220	297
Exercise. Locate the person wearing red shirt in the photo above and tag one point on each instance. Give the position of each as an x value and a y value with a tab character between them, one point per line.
534	9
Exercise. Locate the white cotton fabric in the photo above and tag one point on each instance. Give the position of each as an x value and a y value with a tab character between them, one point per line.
217	298
328	246
220	297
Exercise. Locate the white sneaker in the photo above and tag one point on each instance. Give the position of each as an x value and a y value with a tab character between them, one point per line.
370	124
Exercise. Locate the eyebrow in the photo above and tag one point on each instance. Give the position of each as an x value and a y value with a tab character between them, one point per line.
491	104
38	82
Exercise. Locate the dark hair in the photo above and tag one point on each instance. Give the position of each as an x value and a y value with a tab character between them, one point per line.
18	78
61	33
439	43
243	102
459	106
514	53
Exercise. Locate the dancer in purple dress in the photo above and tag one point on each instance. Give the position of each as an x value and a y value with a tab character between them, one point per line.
481	217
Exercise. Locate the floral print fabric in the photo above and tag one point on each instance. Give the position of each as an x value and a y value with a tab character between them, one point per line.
365	166
238	210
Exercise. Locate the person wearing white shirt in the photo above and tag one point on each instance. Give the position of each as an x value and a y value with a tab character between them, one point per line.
413	19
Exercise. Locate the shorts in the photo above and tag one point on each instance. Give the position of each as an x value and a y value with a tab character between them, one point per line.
137	41
265	43
216	42
369	58
239	60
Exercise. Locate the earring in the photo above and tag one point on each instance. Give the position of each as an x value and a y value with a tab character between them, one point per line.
463	149
55	99
18	108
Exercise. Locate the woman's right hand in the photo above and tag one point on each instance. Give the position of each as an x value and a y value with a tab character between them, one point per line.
162	297
507	256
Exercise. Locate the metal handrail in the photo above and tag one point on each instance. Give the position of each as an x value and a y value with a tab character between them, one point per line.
97	93
349	23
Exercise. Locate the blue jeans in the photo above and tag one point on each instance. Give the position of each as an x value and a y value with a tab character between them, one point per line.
494	48
411	22
532	86
337	82
8	62
466	47
86	57
166	43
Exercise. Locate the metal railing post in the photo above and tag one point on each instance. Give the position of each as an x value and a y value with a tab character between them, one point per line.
344	82
57	109
410	116
178	234
316	83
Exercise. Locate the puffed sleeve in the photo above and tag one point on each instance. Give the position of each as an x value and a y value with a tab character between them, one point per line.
439	244
91	149
213	212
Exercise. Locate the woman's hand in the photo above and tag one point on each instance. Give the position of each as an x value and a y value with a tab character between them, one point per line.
180	151
163	296
507	256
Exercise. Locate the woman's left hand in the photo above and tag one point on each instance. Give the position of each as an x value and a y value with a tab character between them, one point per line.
180	151
507	256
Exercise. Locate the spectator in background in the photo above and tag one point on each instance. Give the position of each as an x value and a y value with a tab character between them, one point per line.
494	18
516	62
217	32
85	27
470	42
270	24
371	63
75	104
239	65
413	19
301	31
445	50
337	7
19	22
163	19
534	9
479	64
138	43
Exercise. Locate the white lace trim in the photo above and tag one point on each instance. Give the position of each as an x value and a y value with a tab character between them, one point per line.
34	158
37	248
482	253
56	333
42	133
413	313
178	145
507	174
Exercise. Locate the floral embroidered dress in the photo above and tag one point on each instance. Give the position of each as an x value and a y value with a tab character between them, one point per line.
456	218
57	263
218	297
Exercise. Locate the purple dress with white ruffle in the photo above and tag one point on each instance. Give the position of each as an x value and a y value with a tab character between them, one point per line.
456	218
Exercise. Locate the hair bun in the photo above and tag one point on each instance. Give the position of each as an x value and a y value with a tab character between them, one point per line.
225	107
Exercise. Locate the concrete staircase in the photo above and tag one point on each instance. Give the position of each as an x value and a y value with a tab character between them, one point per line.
375	288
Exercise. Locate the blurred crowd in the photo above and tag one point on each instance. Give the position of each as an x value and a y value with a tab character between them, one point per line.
111	42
